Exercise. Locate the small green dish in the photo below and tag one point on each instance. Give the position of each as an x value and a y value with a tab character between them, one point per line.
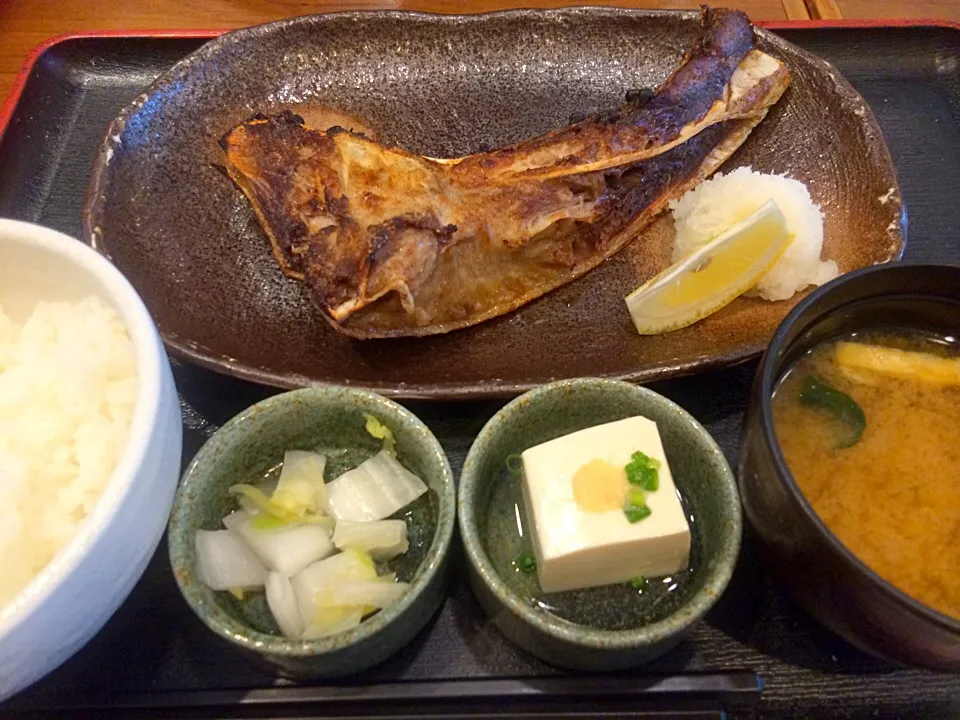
327	419
700	471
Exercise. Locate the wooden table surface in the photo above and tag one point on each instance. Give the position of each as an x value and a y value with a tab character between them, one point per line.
24	24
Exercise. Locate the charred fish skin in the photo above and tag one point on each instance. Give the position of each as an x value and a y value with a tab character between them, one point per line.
265	178
634	131
394	244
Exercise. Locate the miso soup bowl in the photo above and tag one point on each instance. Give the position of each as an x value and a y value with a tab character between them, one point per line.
824	577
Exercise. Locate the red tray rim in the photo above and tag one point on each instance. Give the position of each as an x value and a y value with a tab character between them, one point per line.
19	83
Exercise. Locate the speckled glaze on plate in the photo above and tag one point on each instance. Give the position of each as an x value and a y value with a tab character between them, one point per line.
324	419
699	469
448	85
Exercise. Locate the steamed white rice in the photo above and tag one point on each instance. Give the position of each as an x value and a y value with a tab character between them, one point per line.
67	391
718	204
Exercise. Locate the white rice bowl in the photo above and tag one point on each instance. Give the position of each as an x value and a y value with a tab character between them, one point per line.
721	202
68	386
93	572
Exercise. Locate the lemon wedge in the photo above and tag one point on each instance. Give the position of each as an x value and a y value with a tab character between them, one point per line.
713	275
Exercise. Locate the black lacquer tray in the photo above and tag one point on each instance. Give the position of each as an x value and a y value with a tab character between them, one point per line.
155	659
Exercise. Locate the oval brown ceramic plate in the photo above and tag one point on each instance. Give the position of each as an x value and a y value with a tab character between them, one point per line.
160	208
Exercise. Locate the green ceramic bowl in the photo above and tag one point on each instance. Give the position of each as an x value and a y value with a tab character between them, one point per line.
330	420
699	469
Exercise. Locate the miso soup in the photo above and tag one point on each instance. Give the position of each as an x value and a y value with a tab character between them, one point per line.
869	426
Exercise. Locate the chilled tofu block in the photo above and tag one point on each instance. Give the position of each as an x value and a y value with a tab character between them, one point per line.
575	489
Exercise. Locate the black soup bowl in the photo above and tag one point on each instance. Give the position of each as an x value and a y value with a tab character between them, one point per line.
823	576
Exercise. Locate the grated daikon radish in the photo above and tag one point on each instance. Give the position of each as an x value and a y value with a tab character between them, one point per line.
225	561
283	604
287	548
373	491
383	539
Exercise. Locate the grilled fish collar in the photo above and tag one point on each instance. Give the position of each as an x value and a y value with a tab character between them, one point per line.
395	244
